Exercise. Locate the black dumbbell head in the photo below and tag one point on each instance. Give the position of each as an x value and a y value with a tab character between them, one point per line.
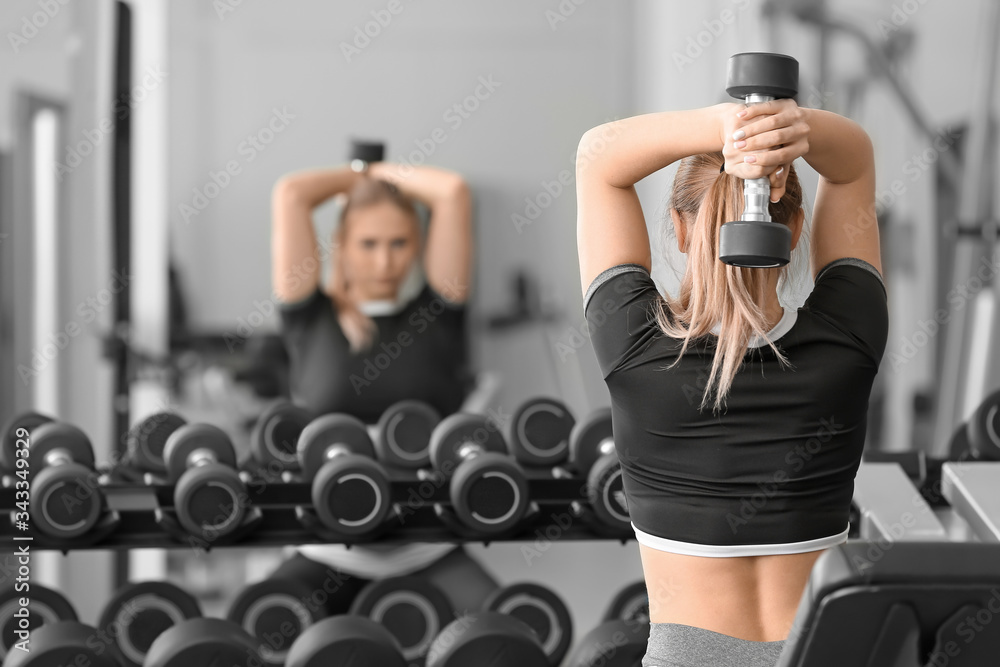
541	610
773	74
412	609
539	432
755	244
630	604
984	429
190	438
351	495
404	434
629	639
210	501
147	439
606	493
138	613
276	434
276	612
587	438
489	493
367	151
345	641
203	641
8	448
331	430
52	436
63	643
461	429
487	637
66	500
45	606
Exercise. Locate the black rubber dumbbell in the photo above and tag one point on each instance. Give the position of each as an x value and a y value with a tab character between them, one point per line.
487	638
630	604
616	643
18	428
63	643
593	453
140	612
147	439
44	607
210	498
276	613
203	641
487	487
538	432
346	641
541	610
979	438
350	490
754	240
275	437
412	609
66	498
403	434
364	152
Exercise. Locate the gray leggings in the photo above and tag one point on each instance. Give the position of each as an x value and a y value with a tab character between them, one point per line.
675	645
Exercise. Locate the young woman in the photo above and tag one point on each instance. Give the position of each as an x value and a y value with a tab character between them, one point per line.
739	421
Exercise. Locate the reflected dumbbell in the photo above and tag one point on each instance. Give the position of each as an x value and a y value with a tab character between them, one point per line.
350	490
979	437
138	613
18	427
539	432
487	488
616	643
275	613
45	607
63	643
412	609
541	610
487	638
147	439
203	641
66	500
630	604
364	152
403	434
275	436
593	453
346	641
210	498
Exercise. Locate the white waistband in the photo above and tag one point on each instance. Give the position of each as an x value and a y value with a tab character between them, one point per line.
729	551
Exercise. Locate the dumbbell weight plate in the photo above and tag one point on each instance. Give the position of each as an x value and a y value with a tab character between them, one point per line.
539	432
8	449
542	610
984	429
345	641
351	495
459	430
628	637
404	434
412	609
60	435
138	613
66	500
773	74
45	606
275	435
147	439
276	613
606	493
367	151
326	431
489	493
62	643
486	637
191	437
588	437
210	501
203	641
630	604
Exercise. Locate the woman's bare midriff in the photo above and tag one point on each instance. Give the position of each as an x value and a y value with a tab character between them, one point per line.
749	597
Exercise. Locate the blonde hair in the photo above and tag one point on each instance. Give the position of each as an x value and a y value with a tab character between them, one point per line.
358	328
712	292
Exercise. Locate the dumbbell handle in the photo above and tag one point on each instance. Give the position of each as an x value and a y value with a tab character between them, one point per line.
756	191
200	457
469	449
57	456
335	450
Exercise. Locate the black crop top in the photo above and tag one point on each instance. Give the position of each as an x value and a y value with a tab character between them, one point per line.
773	471
419	353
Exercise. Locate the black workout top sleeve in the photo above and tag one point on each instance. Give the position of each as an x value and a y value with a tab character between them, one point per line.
773	472
418	353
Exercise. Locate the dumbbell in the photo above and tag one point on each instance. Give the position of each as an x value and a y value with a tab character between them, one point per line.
146	440
276	434
403	434
209	494
412	609
538	432
630	604
45	607
203	641
487	488
616	643
755	241
14	429
592	449
275	612
62	643
487	638
350	490
66	501
979	437
364	152
138	613
345	641
541	610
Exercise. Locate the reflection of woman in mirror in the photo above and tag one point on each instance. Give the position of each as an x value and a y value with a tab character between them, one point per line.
358	343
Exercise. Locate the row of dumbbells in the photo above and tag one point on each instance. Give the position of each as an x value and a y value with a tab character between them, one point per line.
400	621
349	466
